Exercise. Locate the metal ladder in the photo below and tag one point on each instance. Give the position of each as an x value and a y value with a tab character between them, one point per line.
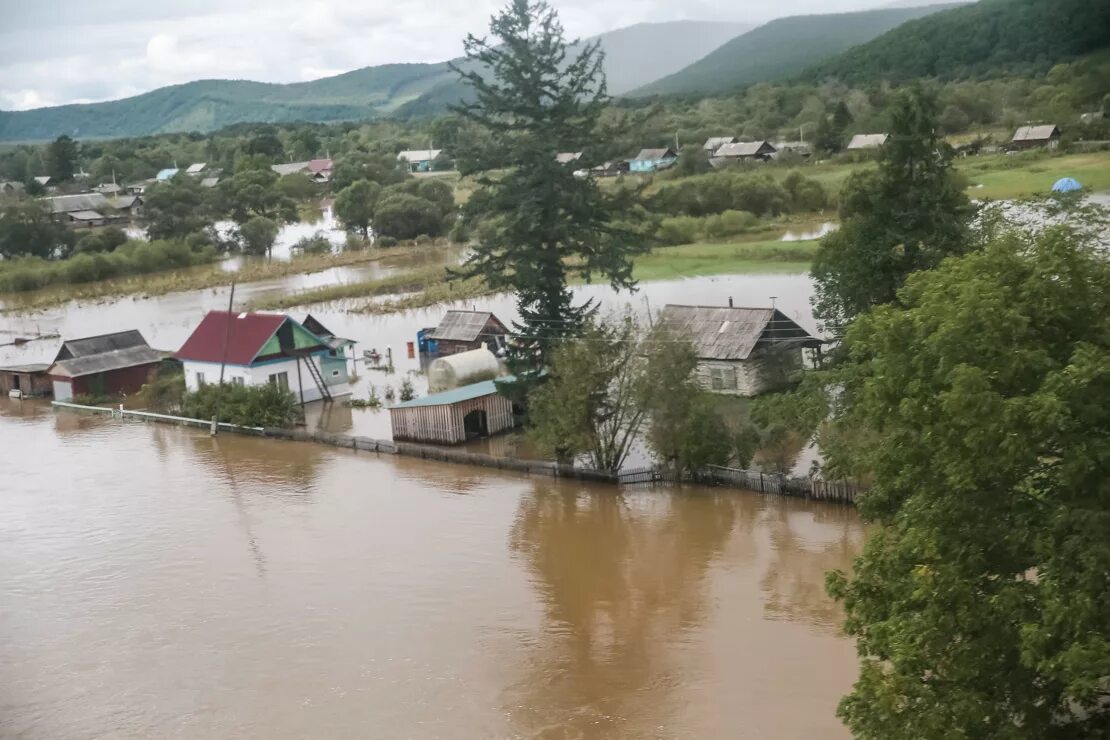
317	378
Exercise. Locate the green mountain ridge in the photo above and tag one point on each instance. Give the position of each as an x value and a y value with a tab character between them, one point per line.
782	49
988	37
635	55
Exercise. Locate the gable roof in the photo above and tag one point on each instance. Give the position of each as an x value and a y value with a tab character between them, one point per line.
73	203
326	335
419	155
85	215
123	202
167	174
867	141
209	182
713	142
319	165
653	154
100	343
567	157
456	395
195	168
1036	133
744	149
724	333
463	326
43	179
245	334
288	168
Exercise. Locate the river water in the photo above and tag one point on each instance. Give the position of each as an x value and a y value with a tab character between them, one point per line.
156	582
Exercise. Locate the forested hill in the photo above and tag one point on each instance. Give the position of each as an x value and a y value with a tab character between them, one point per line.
782	49
988	38
634	56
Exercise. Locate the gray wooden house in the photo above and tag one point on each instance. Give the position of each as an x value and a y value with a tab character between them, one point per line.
462	331
741	351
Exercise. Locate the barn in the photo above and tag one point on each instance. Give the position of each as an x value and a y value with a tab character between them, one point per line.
25	381
455	416
105	365
462	331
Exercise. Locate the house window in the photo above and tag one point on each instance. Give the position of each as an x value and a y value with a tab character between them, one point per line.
281	380
239	381
722	378
335	373
200	379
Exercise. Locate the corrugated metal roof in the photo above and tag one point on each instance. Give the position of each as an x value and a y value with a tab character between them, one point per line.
744	149
723	333
1035	133
99	344
244	333
655	154
419	155
456	395
867	141
75	203
462	326
106	361
34	367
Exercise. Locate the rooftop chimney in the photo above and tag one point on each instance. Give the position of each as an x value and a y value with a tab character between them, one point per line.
730	301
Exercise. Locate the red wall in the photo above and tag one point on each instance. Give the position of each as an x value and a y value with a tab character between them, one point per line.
127	380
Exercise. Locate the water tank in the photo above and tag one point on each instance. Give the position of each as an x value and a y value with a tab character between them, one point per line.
462	369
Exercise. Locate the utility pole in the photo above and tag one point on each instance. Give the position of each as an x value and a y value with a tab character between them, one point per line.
223	358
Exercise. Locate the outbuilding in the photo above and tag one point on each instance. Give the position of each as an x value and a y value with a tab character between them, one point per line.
740	351
462	331
1028	137
861	142
420	160
743	150
455	416
713	143
652	160
104	365
26	380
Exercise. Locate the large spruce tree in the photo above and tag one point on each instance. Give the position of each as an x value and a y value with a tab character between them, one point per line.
543	225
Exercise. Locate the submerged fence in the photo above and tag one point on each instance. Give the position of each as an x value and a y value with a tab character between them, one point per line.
843	492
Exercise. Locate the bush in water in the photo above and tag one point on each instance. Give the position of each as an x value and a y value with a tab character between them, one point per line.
245	405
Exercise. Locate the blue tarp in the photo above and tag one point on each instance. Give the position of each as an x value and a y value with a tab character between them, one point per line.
1066	185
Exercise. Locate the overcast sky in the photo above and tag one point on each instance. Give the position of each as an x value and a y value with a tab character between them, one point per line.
62	51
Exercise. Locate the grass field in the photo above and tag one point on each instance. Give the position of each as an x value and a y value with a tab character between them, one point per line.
1005	176
692	260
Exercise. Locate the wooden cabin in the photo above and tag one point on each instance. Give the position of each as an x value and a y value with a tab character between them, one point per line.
30	381
104	365
462	331
454	416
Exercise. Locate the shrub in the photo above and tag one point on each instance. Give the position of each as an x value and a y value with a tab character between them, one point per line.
245	405
386	241
729	223
680	230
315	244
404	216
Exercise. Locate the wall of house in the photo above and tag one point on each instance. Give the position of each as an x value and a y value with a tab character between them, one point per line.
744	377
31	384
260	375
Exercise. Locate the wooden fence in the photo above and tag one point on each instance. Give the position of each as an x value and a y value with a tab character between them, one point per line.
844	492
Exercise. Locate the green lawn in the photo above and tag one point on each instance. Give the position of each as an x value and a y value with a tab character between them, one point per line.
1003	176
691	260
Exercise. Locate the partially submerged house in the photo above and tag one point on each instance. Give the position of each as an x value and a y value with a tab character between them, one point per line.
862	142
421	160
652	160
741	351
26	381
82	210
713	143
462	331
319	170
454	416
1028	137
104	365
339	346
750	151
260	348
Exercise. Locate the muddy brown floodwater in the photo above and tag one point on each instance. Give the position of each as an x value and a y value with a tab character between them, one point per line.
156	582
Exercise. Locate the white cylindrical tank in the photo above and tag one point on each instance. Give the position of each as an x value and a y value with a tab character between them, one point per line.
464	368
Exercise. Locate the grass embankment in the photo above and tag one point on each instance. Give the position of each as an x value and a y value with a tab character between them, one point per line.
209	276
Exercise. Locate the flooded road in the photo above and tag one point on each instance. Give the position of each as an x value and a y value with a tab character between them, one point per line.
157	582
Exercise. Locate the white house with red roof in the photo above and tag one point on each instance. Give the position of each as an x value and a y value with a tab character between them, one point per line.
259	348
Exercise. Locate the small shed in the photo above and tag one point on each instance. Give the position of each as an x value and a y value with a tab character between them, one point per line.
1028	137
861	142
651	160
87	219
462	331
29	380
463	368
454	416
741	351
108	364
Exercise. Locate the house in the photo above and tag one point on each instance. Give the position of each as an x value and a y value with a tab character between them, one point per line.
651	160
44	180
25	381
612	168
454	416
741	351
867	141
86	219
209	182
713	143
11	187
568	157
259	348
320	169
139	188
167	174
339	346
461	331
744	150
127	205
195	169
1028	137
420	160
60	205
105	365
289	168
108	188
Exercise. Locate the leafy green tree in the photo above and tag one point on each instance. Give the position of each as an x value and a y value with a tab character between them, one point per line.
535	102
980	605
355	205
356	166
905	216
105	240
176	209
404	216
27	229
258	235
298	187
61	158
591	403
439	193
254	192
266	144
692	160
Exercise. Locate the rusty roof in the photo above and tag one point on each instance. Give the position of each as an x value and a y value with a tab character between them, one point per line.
243	333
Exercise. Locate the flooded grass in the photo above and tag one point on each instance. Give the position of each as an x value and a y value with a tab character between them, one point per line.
408	281
693	260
